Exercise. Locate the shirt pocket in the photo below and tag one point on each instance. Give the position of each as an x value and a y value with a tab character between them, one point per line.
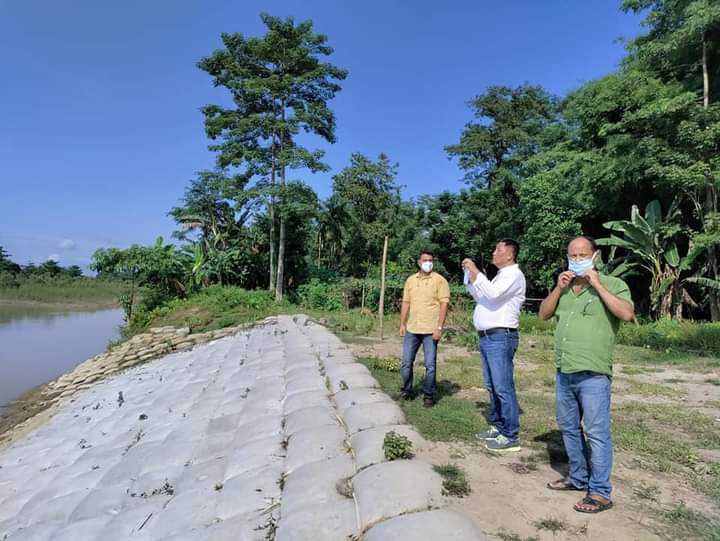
593	307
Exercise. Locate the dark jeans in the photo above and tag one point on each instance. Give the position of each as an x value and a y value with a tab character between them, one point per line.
411	344
498	351
583	411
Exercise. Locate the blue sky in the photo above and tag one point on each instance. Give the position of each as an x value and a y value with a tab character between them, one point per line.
99	100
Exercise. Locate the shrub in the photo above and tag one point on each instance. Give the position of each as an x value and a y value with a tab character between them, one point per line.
671	335
389	364
397	447
321	295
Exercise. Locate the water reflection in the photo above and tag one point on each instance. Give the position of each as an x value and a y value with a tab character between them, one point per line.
37	345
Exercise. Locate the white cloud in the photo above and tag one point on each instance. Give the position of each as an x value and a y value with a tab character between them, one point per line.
54	257
67	244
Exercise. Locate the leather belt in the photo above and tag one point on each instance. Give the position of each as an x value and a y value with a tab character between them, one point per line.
497	330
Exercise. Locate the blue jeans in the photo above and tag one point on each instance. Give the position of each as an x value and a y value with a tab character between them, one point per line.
583	411
498	351
411	344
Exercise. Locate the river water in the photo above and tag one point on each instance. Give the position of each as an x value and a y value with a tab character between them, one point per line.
38	345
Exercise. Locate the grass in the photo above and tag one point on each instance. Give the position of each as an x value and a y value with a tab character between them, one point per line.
65	291
550	524
661	437
649	389
452	419
689	524
512	536
647	491
211	309
454	480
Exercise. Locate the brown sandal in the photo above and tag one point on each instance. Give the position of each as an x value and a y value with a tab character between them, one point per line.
590	505
562	484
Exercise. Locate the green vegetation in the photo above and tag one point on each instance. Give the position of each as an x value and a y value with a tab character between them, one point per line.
450	419
59	290
50	283
674	336
397	447
454	480
539	168
689	524
662	436
212	308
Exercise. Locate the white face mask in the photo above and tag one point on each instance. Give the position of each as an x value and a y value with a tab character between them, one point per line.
426	266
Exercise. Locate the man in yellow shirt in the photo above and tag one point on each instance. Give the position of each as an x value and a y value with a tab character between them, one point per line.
424	307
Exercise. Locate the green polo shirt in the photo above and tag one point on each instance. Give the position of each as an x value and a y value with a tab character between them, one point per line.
586	330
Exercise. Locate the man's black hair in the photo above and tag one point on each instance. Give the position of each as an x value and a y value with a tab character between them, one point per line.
513	245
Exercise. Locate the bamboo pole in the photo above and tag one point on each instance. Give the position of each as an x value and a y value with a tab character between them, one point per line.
382	287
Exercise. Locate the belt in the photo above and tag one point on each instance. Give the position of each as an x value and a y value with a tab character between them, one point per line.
497	330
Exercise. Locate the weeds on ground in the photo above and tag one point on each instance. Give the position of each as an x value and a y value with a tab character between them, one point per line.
454	480
689	524
550	524
511	536
646	491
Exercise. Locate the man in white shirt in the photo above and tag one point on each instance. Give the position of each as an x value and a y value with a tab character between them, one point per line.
497	318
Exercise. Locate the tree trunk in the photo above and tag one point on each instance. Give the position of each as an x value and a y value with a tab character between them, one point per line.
711	202
280	286
707	75
271	285
711	205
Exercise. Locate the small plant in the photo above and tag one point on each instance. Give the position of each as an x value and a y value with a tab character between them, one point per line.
218	487
389	364
550	524
647	492
522	468
454	480
396	446
512	536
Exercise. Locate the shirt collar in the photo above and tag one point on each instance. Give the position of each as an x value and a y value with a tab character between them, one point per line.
514	265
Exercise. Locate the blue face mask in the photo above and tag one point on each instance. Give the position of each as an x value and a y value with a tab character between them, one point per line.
580	267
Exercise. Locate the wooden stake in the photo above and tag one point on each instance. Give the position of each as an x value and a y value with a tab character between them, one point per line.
382	287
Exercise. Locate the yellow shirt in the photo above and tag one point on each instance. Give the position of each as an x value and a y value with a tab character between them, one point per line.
425	293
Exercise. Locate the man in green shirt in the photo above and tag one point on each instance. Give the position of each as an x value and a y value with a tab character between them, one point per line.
588	308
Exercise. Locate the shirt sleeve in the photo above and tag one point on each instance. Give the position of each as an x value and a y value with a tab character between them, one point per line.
443	291
622	291
501	287
406	291
473	292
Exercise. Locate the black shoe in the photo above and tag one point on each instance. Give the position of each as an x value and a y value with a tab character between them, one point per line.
406	396
428	403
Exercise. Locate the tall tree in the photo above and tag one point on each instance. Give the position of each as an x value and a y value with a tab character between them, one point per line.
279	87
367	199
681	50
507	131
7	264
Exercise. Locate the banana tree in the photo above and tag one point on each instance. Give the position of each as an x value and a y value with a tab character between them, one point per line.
650	243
